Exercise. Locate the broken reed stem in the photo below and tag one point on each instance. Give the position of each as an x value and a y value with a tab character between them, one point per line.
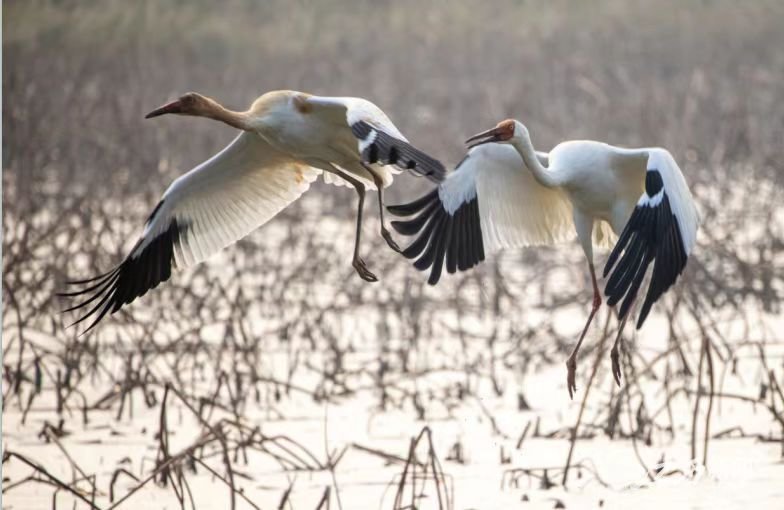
596	363
176	458
53	438
390	458
59	483
401	485
285	497
438	473
115	476
444	495
227	463
695	412
709	358
163	433
228	484
628	374
330	464
324	502
775	383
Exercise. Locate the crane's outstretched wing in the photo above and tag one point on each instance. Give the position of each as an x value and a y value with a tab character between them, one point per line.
378	138
662	229
212	206
491	201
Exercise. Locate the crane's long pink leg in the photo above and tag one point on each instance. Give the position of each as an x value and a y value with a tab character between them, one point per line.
571	362
379	182
357	262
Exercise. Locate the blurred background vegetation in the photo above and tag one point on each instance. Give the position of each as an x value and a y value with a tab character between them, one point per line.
81	169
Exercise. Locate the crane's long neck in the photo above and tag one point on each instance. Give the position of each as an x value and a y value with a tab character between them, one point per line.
545	177
239	120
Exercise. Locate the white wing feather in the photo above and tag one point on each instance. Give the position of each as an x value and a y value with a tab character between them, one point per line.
212	206
514	209
377	140
681	200
350	110
227	197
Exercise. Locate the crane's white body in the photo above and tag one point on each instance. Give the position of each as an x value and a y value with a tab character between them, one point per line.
605	183
595	182
522	197
317	130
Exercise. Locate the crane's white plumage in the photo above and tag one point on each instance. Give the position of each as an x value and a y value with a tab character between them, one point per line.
288	139
225	198
512	208
681	200
352	110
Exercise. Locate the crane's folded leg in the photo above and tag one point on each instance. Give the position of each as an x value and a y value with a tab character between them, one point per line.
386	234
357	261
571	362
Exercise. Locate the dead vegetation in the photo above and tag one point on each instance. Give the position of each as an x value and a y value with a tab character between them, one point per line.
280	323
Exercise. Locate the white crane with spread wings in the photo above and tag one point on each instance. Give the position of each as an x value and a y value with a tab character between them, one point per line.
506	195
288	138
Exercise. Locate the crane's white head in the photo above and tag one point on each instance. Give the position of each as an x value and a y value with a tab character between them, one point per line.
503	132
263	111
188	104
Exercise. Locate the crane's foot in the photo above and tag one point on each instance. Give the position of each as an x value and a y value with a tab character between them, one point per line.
616	364
363	271
390	241
571	374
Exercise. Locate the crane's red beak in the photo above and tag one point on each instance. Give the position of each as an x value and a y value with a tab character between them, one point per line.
173	107
489	136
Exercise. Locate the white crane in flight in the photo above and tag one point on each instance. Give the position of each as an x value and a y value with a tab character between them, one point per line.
287	139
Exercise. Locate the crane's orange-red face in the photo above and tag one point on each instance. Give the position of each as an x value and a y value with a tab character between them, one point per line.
188	104
502	132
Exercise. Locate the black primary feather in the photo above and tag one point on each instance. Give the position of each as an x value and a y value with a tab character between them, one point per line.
652	235
443	240
129	280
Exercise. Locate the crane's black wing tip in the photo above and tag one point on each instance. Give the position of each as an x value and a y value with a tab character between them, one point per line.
378	146
442	239
652	234
131	279
415	206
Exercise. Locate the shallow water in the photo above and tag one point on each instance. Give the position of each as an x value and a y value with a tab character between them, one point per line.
741	472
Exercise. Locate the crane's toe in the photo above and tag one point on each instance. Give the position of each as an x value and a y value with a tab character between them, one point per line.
390	241
363	271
